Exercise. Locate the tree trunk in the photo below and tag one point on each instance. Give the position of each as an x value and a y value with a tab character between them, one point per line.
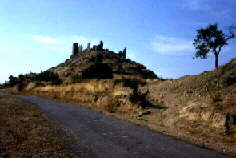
216	60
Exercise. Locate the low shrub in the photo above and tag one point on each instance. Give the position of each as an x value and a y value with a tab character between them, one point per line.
39	84
12	80
227	67
47	76
98	71
149	75
217	101
127	82
229	79
108	103
216	98
20	86
77	79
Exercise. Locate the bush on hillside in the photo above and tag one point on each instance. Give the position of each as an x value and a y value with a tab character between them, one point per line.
19	81
98	71
20	86
149	75
76	78
12	80
133	83
109	103
39	84
229	79
47	76
228	67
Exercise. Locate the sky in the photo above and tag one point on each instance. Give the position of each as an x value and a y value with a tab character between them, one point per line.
38	34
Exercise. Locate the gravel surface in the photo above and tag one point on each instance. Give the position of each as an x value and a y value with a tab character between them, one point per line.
103	136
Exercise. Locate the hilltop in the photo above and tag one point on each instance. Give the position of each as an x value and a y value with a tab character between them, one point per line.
84	65
99	63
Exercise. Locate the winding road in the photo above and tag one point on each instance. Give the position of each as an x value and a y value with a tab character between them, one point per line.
107	137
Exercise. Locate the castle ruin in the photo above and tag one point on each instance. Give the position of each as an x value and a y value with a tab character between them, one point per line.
122	54
88	47
78	49
75	49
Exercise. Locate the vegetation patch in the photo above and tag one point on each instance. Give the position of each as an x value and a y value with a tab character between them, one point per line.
47	76
98	71
108	103
229	79
39	84
77	79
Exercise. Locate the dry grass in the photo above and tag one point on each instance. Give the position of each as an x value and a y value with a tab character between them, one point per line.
108	103
25	133
96	94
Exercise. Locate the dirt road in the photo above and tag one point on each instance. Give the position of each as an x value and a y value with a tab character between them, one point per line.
107	137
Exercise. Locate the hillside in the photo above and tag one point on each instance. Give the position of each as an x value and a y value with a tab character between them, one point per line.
93	76
217	86
199	108
100	64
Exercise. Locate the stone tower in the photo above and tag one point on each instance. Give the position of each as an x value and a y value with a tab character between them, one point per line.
124	53
75	49
80	48
88	47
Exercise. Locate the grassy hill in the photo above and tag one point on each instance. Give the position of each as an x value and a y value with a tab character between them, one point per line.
100	65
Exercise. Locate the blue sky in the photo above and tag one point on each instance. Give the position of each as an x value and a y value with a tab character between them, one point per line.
38	34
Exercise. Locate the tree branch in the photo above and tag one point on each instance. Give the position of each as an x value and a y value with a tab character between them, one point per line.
230	36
